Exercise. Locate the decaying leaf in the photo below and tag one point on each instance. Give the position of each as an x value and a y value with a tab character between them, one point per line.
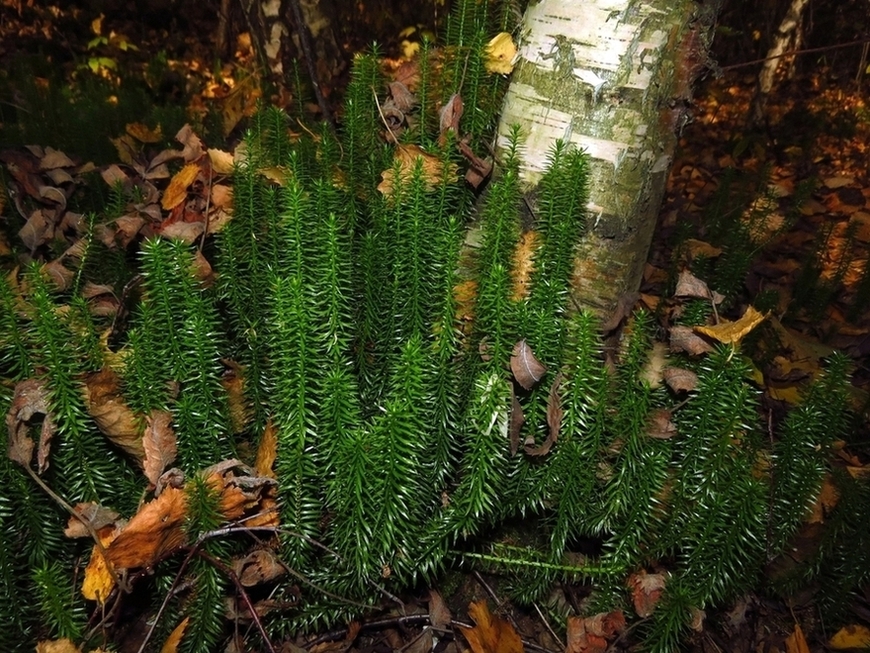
851	637
691	287
526	368
259	566
680	379
646	591
491	633
114	418
190	141
57	646
30	404
480	168
96	515
143	133
500	53
158	444
593	634
660	426
796	642
98	581
733	332
554	420
154	531
524	264
433	171
684	339
174	640
439	613
176	192
267	451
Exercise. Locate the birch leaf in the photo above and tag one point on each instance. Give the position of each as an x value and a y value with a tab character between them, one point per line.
500	53
159	444
733	332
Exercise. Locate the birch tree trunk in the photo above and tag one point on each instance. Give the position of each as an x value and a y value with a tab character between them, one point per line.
613	77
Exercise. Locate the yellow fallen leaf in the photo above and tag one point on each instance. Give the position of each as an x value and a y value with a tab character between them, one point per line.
790	395
733	332
796	642
176	192
433	171
98	582
57	646
851	637
500	53
174	639
491	633
267	452
221	162
143	133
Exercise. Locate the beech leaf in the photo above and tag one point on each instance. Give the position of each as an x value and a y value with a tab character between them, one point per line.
554	421
526	368
113	417
684	339
491	633
29	401
159	444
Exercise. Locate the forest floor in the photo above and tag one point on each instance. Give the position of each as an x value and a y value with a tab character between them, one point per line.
815	274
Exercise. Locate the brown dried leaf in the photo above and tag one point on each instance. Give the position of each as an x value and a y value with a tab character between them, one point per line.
154	531
128	148
500	53
176	192
402	98
221	162
526	368
61	276
480	168
624	306
174	640
690	286
54	159
491	633
192	145
259	566
29	400
57	646
660	426
439	613
434	171
449	117
554	420
114	175
93	513
680	379
267	452
114	418
143	133
159	444
646	592
732	332
696	248
38	229
524	264
854	636
592	634
685	339
189	232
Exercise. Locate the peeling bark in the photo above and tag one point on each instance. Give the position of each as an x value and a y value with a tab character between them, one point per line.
613	77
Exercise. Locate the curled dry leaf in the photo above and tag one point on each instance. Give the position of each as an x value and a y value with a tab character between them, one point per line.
30	404
159	444
98	581
733	332
449	117
439	613
646	591
154	531
684	339
796	642
554	420
680	379
176	192
526	368
593	634
113	417
660	426
691	287
54	159
500	53
38	229
221	162
95	514
491	633
259	566
192	145
143	133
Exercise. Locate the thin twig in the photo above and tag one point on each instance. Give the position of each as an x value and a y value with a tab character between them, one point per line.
308	55
166	598
795	52
549	628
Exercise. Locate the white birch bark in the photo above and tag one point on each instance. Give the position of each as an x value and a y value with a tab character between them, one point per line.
613	77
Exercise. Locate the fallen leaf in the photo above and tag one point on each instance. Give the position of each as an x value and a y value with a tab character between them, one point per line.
500	53
854	636
96	515
189	232
660	426
192	145
54	159
696	248
114	418
405	161
439	613
221	162
143	133
259	566
267	451
233	382
684	339
30	400
38	229
158	444
646	592
524	264
554	420
155	530
449	117
98	582
691	287
491	633
176	192
174	639
796	642
679	379
526	368
592	634
732	332
57	646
